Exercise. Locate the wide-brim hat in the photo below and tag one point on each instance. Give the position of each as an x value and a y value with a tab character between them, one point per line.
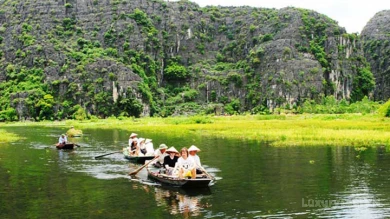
173	150
193	148
133	135
141	140
148	140
162	146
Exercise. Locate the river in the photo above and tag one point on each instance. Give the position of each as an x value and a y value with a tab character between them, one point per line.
253	180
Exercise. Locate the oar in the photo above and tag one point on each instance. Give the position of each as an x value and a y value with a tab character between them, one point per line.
107	154
207	174
136	171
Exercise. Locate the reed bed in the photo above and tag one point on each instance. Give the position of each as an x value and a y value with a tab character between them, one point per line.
7	137
277	130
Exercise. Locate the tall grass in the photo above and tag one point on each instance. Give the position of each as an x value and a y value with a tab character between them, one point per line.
7	137
287	130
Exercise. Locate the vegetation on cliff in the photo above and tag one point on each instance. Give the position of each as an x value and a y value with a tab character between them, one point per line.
137	58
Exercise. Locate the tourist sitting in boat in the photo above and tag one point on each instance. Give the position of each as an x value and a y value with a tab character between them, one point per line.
62	140
185	165
133	146
149	147
170	161
141	147
132	138
192	151
161	153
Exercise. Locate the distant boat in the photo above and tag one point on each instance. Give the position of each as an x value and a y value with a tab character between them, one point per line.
74	133
65	146
199	182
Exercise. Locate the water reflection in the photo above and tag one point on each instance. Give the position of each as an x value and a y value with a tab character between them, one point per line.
258	181
180	201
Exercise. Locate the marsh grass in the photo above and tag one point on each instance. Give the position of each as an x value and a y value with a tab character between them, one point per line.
280	130
7	137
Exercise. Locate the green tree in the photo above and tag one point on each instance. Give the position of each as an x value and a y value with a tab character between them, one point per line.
175	71
363	84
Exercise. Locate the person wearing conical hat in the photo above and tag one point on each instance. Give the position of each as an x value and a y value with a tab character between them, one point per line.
132	138
161	153
170	161
192	151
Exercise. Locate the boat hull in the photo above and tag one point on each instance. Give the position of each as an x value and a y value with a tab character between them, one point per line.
173	181
138	159
65	146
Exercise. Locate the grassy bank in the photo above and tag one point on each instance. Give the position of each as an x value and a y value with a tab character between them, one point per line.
277	130
7	137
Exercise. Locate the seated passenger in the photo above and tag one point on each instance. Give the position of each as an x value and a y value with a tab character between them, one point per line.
133	147
141	147
192	151
161	152
170	161
185	165
149	147
132	138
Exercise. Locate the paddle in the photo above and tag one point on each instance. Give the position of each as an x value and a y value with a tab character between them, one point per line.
107	154
207	174
136	171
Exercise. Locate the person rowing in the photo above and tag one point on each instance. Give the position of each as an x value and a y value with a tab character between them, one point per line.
170	161
62	140
192	154
161	153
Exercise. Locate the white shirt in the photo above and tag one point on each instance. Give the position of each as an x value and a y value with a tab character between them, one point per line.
149	149
161	158
62	140
196	160
187	164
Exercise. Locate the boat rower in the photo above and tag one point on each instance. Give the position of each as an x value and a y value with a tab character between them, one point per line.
161	152
192	154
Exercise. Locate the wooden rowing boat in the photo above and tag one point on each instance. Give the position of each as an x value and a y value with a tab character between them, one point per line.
138	159
69	146
199	182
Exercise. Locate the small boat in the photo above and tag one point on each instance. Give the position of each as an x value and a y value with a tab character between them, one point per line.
199	182
76	136
137	159
65	146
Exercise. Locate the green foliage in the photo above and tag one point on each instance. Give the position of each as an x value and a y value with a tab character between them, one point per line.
130	107
80	113
175	72
363	84
233	107
329	105
384	110
8	114
141	17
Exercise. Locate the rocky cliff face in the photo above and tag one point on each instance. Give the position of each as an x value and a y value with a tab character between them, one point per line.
150	56
376	37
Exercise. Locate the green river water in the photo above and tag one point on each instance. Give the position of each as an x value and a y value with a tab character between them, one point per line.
252	180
